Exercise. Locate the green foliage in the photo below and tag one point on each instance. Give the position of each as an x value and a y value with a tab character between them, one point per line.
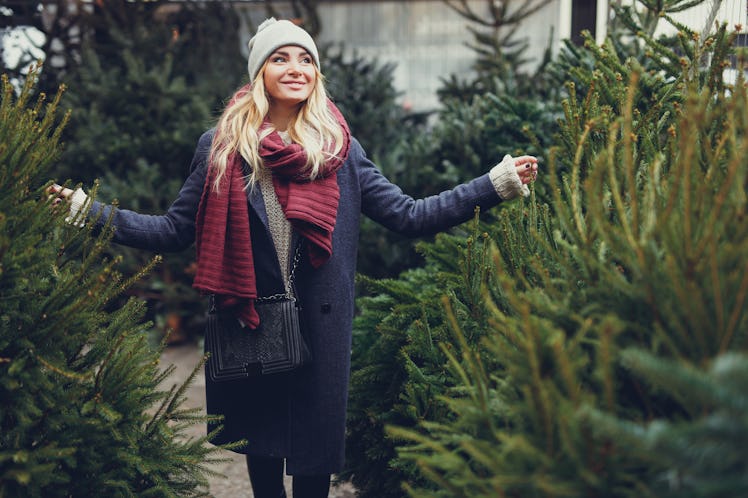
499	49
473	136
466	140
399	369
128	118
701	455
364	92
82	410
644	250
639	246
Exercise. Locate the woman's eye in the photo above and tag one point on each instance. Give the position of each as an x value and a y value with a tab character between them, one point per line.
278	58
306	60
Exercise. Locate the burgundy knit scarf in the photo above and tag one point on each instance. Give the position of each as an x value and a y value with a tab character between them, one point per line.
225	263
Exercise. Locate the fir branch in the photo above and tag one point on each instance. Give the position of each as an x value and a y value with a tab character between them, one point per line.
739	310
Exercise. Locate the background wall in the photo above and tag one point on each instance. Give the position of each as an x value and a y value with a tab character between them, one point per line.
428	41
424	38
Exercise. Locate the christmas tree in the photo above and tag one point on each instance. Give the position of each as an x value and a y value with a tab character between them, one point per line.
592	344
82	412
613	357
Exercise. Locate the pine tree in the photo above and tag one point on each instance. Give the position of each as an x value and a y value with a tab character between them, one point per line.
500	51
82	411
399	370
640	273
634	254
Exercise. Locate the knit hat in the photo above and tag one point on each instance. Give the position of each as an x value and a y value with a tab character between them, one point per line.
270	36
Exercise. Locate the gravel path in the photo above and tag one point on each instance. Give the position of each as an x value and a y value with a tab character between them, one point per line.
235	484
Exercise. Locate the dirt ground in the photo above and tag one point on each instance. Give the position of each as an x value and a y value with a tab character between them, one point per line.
235	484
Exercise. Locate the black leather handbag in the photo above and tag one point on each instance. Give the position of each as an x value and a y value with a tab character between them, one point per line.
277	345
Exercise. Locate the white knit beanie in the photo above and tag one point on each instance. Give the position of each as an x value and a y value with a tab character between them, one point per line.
270	36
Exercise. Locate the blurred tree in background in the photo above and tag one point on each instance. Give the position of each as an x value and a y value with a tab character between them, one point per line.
35	29
500	109
500	51
200	34
152	77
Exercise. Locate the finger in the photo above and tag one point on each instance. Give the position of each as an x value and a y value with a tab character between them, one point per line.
527	169
64	192
527	175
525	160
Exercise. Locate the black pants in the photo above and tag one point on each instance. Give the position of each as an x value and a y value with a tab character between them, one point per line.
266	476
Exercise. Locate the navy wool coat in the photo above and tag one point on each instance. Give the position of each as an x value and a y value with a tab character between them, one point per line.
301	415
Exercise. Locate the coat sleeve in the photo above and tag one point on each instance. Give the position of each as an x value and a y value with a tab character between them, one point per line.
169	232
385	203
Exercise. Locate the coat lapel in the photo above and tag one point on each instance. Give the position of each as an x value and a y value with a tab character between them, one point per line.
256	200
257	203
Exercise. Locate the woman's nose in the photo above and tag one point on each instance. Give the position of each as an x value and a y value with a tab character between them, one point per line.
293	67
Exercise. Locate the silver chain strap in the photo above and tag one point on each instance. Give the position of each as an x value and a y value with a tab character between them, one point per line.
289	285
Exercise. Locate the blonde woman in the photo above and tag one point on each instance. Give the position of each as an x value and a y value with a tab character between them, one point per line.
281	167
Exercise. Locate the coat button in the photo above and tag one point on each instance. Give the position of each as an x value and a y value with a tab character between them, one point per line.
325	308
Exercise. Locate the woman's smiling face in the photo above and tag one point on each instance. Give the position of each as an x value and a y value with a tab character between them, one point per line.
289	77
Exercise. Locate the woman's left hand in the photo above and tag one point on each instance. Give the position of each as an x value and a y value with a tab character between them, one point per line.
59	193
527	168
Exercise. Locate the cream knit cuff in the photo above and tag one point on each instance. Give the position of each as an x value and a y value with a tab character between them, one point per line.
506	181
78	200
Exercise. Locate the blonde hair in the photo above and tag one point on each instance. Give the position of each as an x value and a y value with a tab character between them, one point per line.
238	130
